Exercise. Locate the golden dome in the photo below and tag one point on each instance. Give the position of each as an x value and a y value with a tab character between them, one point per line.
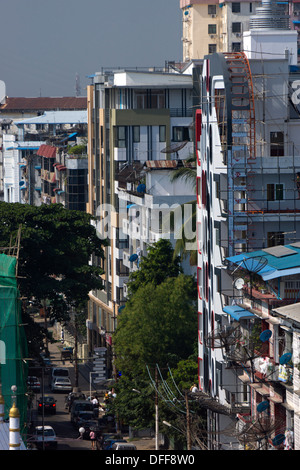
14	412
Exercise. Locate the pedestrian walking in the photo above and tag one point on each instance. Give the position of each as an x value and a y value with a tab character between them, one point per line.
93	439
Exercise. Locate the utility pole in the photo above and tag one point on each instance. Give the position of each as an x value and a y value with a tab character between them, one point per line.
188	430
156	410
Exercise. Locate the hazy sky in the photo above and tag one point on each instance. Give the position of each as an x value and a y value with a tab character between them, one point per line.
44	44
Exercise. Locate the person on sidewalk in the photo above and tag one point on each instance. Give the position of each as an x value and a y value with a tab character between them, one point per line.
93	439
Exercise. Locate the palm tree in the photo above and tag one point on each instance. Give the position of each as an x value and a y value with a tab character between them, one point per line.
187	173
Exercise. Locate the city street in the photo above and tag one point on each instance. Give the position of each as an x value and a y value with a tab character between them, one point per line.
67	435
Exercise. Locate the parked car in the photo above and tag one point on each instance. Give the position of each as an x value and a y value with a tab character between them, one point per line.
34	384
77	407
45	437
86	420
57	372
61	384
47	403
123	446
107	444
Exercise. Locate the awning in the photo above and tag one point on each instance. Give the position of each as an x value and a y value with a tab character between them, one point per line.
47	151
270	263
237	312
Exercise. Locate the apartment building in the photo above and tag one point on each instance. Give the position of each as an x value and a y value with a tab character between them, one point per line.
214	26
39	163
248	201
140	127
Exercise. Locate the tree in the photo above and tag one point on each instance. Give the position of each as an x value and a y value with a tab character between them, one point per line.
55	252
157	326
158	265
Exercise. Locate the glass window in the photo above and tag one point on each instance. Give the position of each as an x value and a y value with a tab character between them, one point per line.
236	7
236	27
212	9
136	133
181	134
236	47
212	48
120	137
162	133
212	29
276	144
275	192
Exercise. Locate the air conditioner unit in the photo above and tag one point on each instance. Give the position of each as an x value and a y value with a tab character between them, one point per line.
212	36
213	16
238	35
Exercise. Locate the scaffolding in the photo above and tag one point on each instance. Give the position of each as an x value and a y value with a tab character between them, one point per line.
13	345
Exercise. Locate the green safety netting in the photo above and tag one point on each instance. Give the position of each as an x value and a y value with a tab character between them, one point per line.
13	345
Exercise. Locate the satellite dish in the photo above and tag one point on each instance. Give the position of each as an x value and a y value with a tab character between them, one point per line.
141	188
279	439
285	358
133	257
264	405
265	335
239	283
121	308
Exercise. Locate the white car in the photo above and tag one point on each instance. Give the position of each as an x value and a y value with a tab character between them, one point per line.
45	437
61	384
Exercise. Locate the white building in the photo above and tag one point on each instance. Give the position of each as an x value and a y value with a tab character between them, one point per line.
137	118
247	133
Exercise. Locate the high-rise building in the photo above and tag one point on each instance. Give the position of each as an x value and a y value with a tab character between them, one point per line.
140	128
247	135
214	26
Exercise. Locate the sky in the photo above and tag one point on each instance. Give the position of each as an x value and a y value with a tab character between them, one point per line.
45	45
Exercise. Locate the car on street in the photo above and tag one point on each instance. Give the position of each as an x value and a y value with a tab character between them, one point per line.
61	384
107	445
123	446
48	404
45	437
87	421
34	384
79	406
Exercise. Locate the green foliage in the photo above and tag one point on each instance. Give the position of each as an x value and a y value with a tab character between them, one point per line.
55	250
158	265
157	326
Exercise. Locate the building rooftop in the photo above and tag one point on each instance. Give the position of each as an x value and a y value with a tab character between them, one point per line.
44	103
57	117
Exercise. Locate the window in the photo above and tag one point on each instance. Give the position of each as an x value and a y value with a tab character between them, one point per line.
212	29
275	192
212	48
276	144
236	47
275	238
236	7
120	137
236	27
162	133
136	133
154	99
250	7
212	9
181	134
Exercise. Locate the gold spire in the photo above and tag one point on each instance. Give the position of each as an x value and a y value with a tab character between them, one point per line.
14	412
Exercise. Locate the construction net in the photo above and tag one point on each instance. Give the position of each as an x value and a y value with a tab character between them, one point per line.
13	345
